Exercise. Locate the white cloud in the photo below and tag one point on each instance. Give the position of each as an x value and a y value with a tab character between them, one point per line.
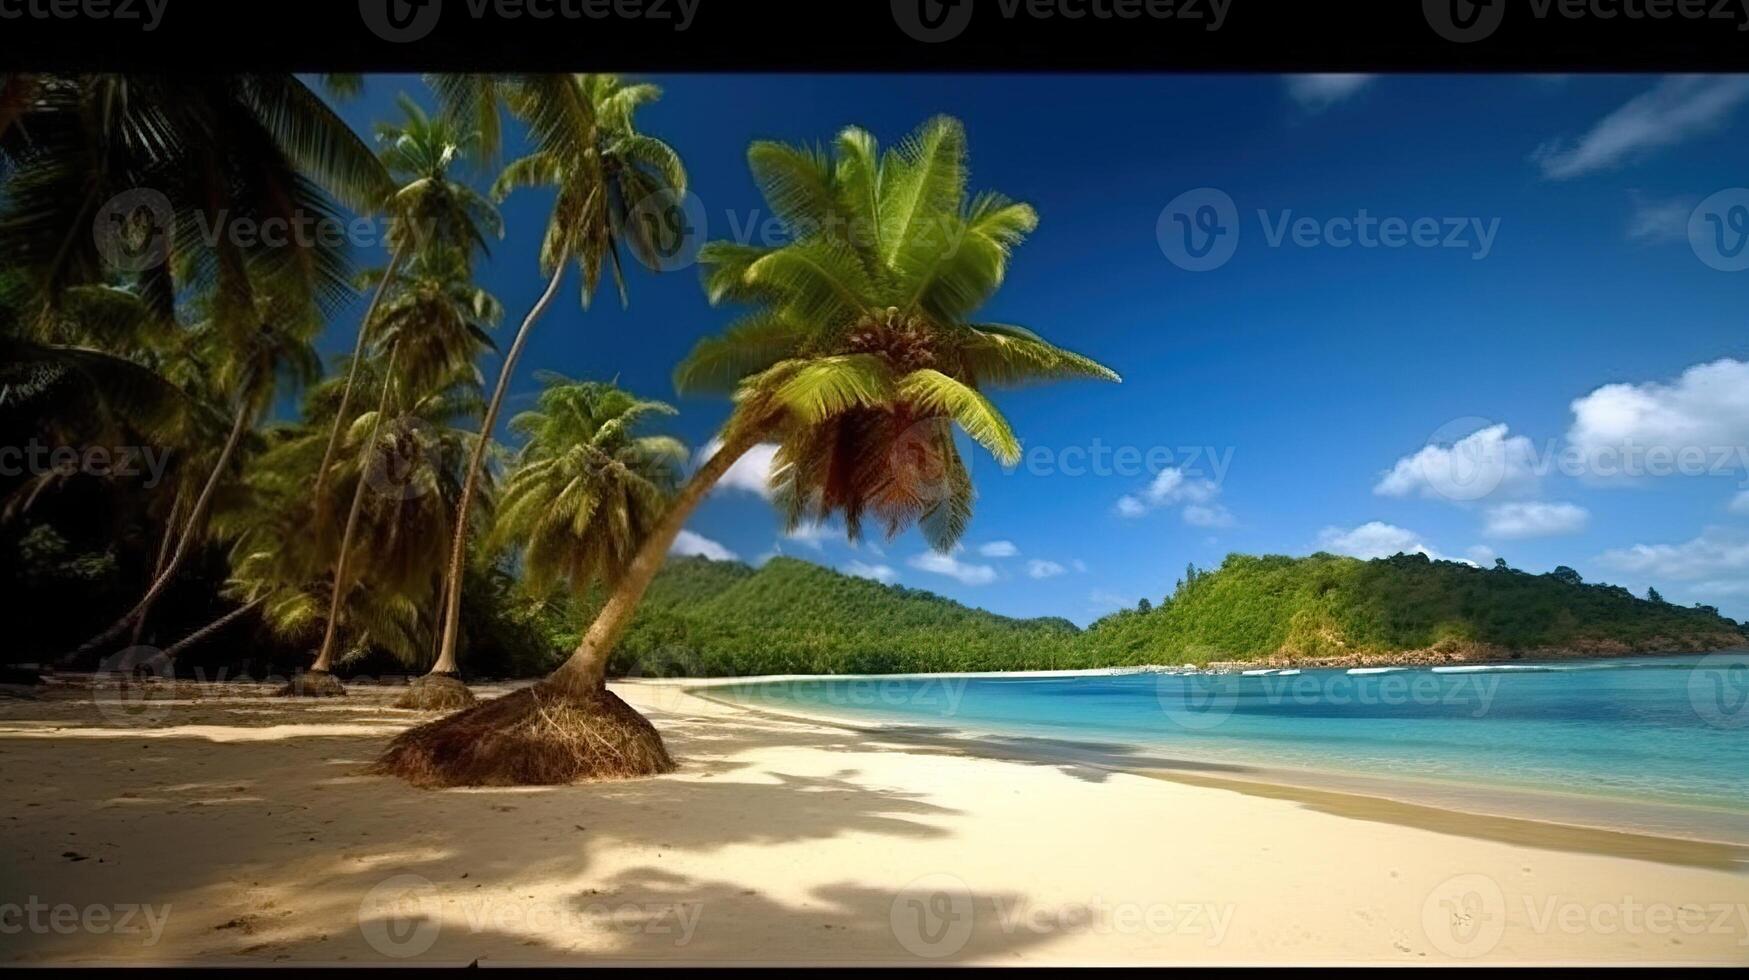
1172	487
1697	422
1715	557
998	549
1658	222
1740	503
1677	108
1481	554
1486	462
885	574
963	572
690	543
751	473
813	535
1208	515
1374	539
1319	92
1039	568
1534	519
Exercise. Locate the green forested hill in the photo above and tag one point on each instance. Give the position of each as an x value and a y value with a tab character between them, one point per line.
1331	606
706	618
720	618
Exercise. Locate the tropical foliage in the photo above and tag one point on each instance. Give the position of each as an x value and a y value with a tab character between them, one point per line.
1328	605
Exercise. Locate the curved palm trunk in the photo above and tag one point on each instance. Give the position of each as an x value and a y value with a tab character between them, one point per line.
342	563
170	524
370	313
585	672
184	546
459	550
445	662
213	627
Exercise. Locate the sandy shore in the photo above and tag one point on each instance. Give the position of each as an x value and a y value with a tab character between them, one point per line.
239	827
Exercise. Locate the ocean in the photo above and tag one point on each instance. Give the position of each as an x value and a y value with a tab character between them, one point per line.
1667	730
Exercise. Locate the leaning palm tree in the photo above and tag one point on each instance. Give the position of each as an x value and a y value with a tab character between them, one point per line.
251	360
274	561
431	330
169	171
587	149
860	358
430	211
584	491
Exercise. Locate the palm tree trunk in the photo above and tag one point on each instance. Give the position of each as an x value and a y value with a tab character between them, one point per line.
585	672
325	659
445	662
459	550
185	545
370	313
213	627
164	544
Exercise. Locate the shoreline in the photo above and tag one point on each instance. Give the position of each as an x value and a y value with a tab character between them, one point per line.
1719	839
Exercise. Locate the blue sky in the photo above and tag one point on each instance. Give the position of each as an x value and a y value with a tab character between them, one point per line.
1558	331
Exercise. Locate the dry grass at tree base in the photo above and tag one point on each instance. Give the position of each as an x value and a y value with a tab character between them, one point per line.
436	692
313	684
533	737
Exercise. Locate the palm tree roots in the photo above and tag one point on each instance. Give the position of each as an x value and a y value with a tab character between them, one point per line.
436	692
537	736
313	684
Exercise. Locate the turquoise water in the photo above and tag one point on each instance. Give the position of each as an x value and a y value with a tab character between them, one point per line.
1670	729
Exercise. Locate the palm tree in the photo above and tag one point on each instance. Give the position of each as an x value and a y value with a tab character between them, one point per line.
588	150
860	358
183	163
251	362
274	560
429	211
431	328
586	489
192	159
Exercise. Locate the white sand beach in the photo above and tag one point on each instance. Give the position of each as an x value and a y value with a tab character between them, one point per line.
236	827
